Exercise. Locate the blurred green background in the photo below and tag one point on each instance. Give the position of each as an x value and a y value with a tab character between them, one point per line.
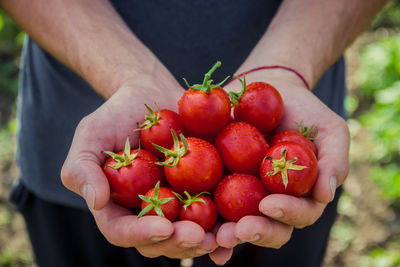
367	232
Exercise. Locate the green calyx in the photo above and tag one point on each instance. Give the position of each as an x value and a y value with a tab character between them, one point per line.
125	159
155	203
150	120
207	86
306	131
235	97
173	155
282	166
190	199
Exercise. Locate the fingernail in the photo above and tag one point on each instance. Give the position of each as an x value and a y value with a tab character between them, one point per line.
159	238
274	213
189	244
333	184
88	195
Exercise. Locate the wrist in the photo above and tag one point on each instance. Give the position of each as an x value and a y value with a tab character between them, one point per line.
149	87
280	78
272	67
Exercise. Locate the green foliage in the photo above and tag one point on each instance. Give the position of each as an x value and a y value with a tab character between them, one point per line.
379	81
389	16
380	66
10	258
388	178
387	256
11	40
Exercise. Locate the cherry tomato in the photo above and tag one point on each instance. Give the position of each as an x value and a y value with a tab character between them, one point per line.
199	209
242	147
302	136
238	195
192	164
289	168
156	129
160	201
205	108
131	173
259	104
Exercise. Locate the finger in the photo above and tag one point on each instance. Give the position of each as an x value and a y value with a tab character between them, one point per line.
220	256
123	229
226	235
333	157
208	245
81	172
183	243
295	211
187	234
85	177
262	231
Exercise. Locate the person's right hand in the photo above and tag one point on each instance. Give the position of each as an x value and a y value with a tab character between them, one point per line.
107	129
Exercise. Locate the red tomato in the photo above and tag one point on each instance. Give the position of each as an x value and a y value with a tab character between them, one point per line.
259	104
242	147
160	201
205	108
208	137
199	209
238	195
289	168
131	175
156	129
199	170
302	136
192	164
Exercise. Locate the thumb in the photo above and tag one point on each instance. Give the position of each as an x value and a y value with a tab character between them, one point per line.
333	160
86	178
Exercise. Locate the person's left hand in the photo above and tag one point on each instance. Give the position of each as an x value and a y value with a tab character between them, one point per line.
285	212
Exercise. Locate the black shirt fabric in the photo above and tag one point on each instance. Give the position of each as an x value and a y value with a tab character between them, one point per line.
187	37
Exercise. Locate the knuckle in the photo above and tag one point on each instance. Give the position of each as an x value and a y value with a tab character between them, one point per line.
84	123
285	237
71	178
114	241
68	176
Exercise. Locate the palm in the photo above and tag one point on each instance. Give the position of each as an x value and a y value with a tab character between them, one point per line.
107	129
283	210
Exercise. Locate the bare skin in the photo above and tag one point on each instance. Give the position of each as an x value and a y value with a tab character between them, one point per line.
307	35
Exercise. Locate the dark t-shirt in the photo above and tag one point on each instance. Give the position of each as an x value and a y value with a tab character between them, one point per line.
187	37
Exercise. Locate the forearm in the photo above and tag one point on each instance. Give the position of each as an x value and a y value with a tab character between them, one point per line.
89	37
309	35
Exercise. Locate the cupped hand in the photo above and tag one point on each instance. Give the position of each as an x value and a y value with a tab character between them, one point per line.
283	212
106	129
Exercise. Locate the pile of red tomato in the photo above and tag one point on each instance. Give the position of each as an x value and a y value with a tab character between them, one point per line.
202	163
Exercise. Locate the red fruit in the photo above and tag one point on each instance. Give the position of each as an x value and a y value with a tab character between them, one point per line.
205	108
259	104
238	195
208	137
242	147
130	174
199	209
192	164
160	201
302	136
156	129
289	168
